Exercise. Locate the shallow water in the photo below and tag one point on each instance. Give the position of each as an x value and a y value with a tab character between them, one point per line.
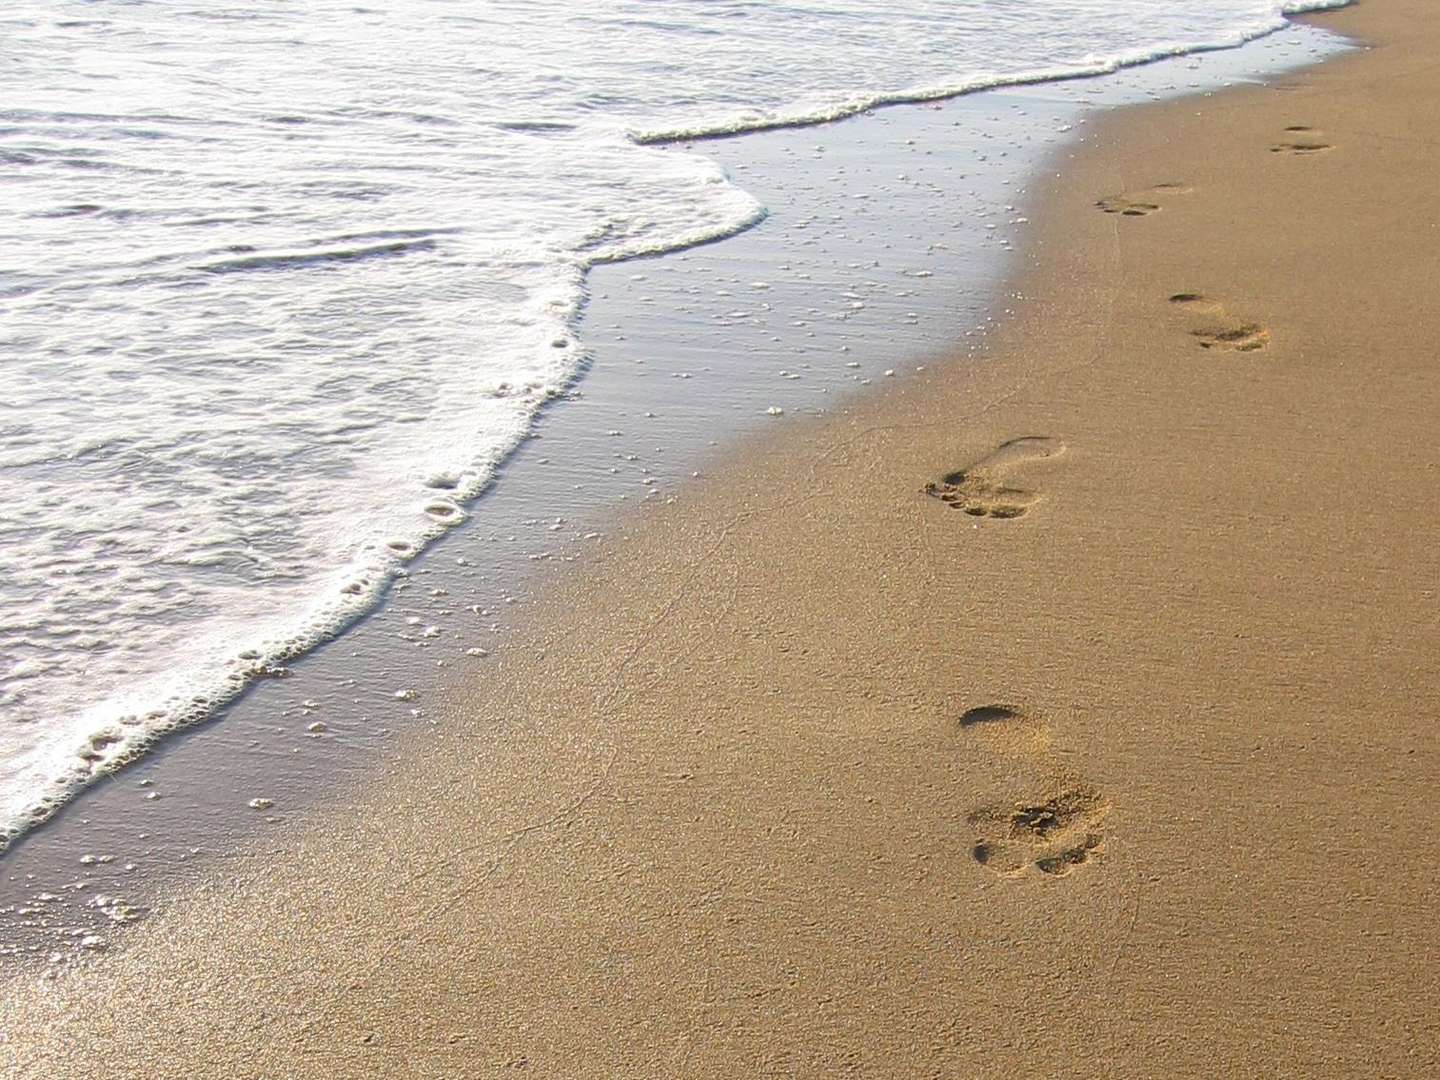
282	287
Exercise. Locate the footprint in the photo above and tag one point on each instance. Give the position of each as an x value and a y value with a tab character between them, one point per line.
1054	832
1221	331
980	491
1247	337
1300	139
1140	203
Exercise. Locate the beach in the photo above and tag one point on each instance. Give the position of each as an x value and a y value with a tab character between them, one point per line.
1064	711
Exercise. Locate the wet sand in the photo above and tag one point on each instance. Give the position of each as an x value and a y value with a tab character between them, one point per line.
1069	713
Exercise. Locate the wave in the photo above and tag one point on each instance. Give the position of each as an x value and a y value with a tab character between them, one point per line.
824	114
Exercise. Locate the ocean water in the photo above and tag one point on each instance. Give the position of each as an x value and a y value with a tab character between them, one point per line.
282	284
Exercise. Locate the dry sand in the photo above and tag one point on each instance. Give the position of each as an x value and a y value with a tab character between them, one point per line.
1110	754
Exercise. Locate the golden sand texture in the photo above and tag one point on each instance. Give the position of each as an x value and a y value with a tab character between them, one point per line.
1071	713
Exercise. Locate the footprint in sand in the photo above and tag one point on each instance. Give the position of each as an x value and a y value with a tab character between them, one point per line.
1058	829
1141	203
1054	833
1299	139
980	491
1220	330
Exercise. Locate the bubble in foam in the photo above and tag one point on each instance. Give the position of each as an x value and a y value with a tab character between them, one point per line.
115	909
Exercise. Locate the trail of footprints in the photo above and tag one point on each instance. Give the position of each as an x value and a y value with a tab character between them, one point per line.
1062	826
1215	327
983	490
1296	139
1059	829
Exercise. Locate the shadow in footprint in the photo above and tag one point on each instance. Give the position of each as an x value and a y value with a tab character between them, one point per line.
1192	301
1248	337
980	491
1300	139
987	714
1063	862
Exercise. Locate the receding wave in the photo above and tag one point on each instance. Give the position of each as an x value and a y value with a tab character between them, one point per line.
301	259
839	110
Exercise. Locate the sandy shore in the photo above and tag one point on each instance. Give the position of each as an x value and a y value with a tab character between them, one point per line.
1069	713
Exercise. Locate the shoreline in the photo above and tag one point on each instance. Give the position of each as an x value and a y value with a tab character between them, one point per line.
108	736
689	357
818	772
